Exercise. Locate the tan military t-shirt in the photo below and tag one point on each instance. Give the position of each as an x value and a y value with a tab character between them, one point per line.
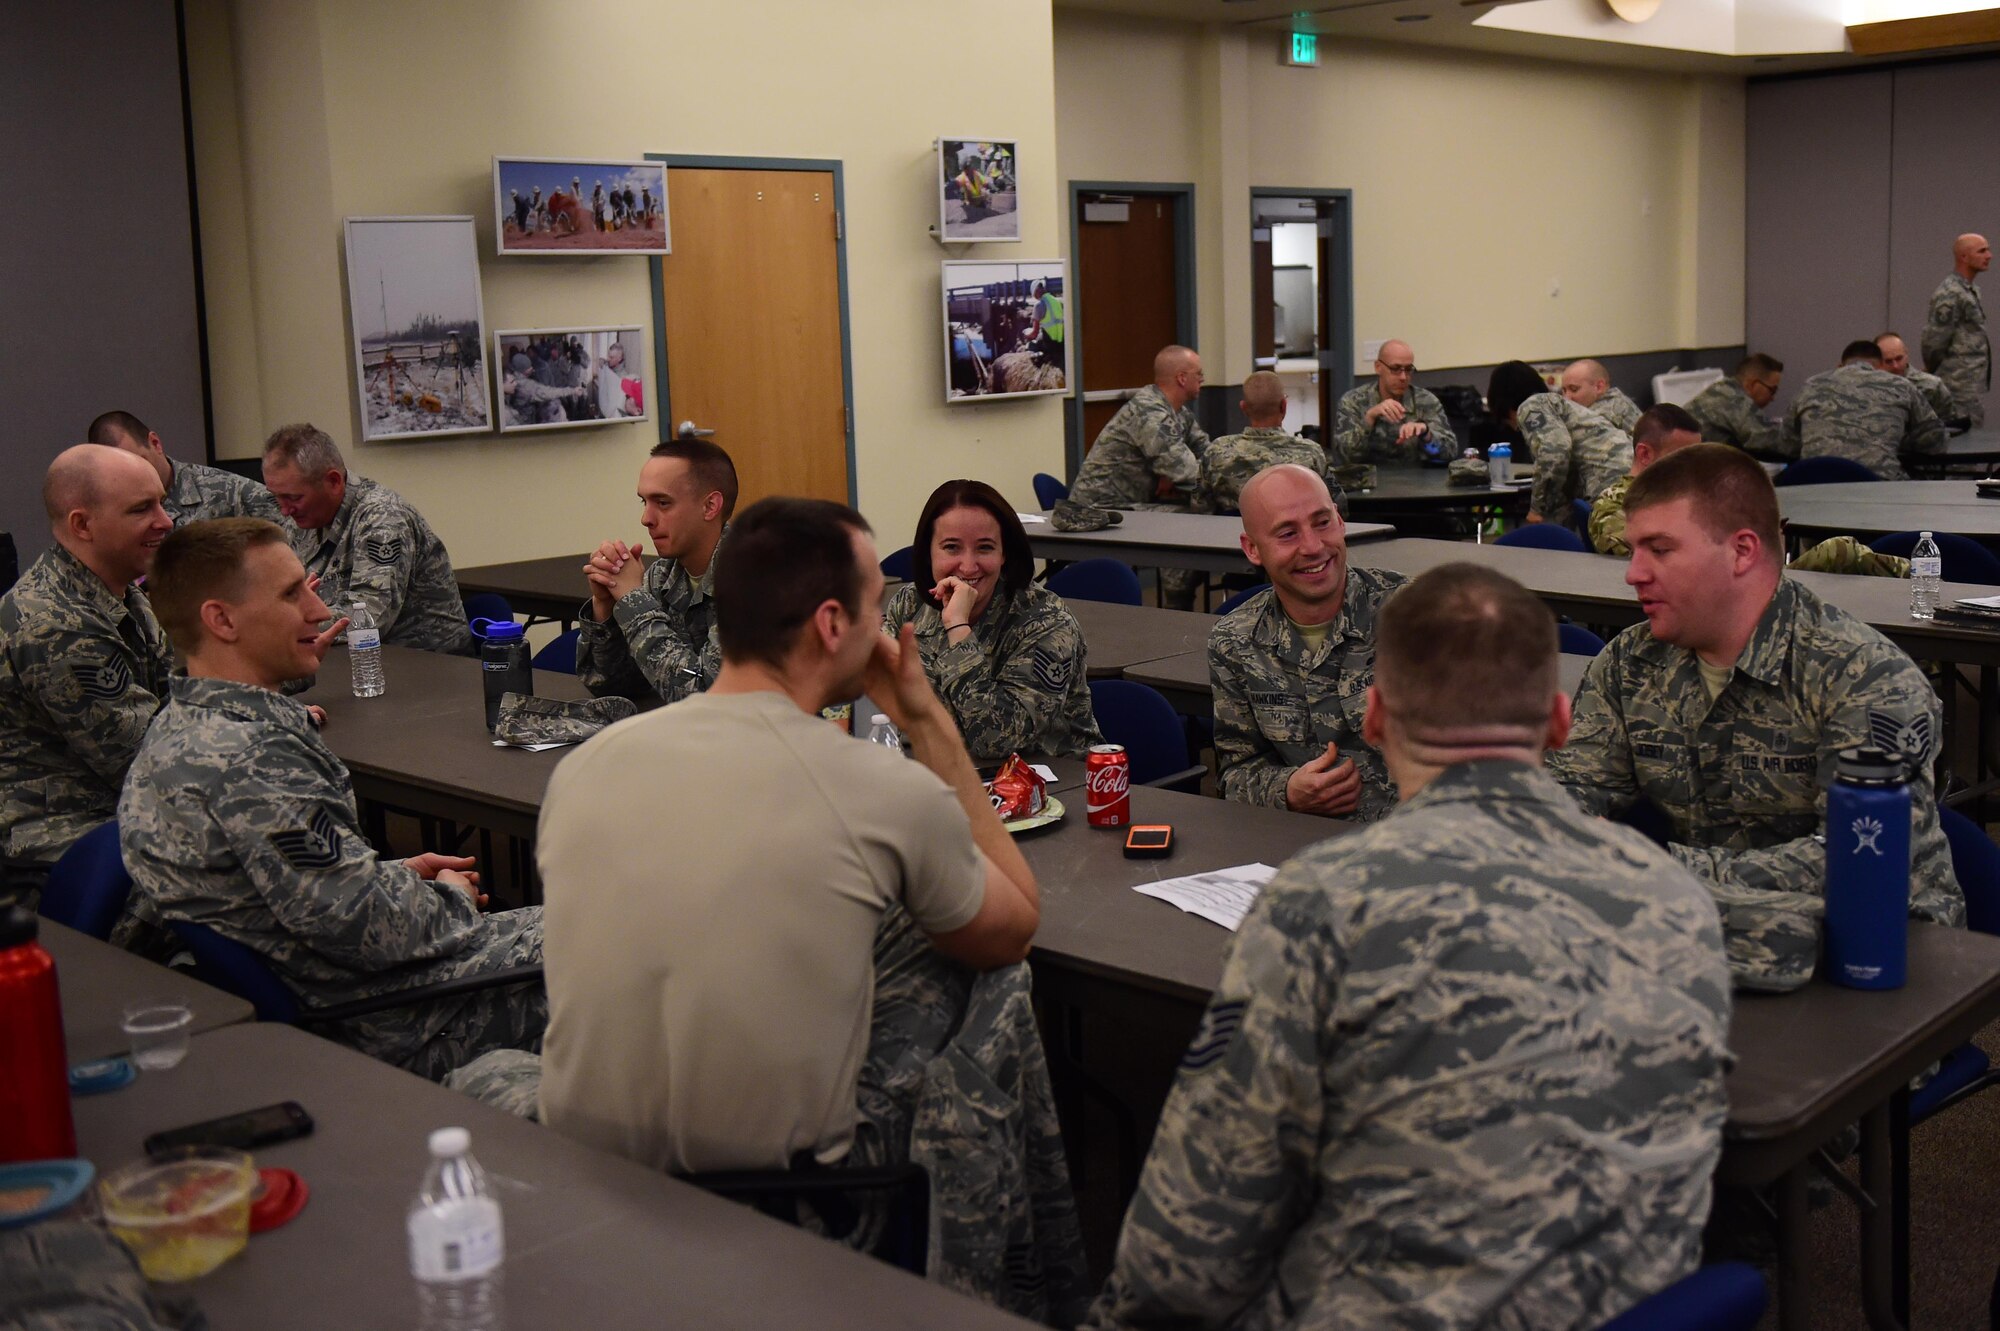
714	872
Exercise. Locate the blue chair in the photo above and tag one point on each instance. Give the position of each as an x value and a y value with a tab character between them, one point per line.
1729	1296
1240	597
1975	860
1139	717
1098	580
1579	514
1578	640
560	654
1824	471
1545	536
1048	490
88	886
896	566
487	605
1965	560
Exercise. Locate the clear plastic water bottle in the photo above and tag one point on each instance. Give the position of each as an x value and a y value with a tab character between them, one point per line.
364	653
1500	463
1926	578
456	1242
880	731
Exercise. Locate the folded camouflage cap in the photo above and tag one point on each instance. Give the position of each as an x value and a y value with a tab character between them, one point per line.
1354	476
1467	471
526	719
1771	949
1072	516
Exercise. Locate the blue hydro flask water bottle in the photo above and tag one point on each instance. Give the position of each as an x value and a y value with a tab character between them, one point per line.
503	663
1868	870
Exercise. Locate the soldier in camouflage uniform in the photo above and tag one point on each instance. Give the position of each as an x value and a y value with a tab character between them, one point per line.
1005	656
1955	344
1662	430
1896	360
1588	384
1463	1069
1148	456
1233	459
366	544
1390	420
1728	709
83	665
1730	409
194	491
653	634
1290	667
239	818
1578	454
1862	413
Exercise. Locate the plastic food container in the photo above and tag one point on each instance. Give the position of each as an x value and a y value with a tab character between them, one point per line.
183	1214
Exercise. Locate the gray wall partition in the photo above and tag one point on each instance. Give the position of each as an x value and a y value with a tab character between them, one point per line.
97	257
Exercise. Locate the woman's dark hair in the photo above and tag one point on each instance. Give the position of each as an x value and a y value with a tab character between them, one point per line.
1017	562
1513	383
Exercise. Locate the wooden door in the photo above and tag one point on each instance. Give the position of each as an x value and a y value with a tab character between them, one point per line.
1127	301
752	296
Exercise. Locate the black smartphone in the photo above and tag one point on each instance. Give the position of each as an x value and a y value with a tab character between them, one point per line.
242	1132
1149	841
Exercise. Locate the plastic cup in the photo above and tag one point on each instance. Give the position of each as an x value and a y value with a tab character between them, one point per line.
159	1034
184	1214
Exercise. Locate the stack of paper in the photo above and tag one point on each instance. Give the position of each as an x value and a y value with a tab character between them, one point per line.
1223	895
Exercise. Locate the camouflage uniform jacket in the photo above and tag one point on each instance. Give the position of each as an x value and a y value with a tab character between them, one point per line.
1620	410
1277	703
237	816
1463	1069
660	640
198	493
82	670
1146	441
1607	519
1955	345
1018	684
1728	415
1233	459
1354	440
379	550
1936	392
1578	453
1865	415
1742	781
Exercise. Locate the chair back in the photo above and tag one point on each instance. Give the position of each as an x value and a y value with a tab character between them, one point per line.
1098	580
1729	1296
1964	559
1824	471
1578	640
1139	717
1048	490
238	969
1579	514
560	654
88	886
896	565
1240	597
488	605
1976	862
1544	536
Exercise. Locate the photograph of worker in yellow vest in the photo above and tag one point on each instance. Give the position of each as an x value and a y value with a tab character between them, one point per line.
976	191
1004	329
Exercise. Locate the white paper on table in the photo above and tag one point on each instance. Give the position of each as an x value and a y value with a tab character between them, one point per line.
1222	895
1981	602
1045	773
534	748
1030	517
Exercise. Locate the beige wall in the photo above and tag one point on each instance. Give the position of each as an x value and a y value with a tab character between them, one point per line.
312	111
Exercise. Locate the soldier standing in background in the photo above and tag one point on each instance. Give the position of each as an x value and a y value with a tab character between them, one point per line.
1379	1121
1233	459
1861	412
1730	409
1389	420
1956	347
1588	384
193	490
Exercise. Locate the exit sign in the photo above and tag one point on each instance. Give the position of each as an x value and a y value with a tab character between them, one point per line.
1302	49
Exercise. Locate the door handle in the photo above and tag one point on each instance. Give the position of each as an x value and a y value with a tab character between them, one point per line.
688	431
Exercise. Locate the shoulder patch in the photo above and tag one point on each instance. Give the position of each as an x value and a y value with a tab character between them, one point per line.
314	847
383	549
1215	1034
1051	668
107	682
1912	738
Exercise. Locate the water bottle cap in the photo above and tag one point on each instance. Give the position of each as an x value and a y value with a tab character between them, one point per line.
448	1142
18	925
498	630
1926	536
1870	766
879	719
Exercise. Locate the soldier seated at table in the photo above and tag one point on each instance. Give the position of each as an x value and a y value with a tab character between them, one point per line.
649	630
1657	432
365	543
238	817
83	665
1006	656
1861	412
1577	453
1463	1068
1896	360
1390	421
1731	409
193	491
1233	459
1290	667
1728	708
1588	384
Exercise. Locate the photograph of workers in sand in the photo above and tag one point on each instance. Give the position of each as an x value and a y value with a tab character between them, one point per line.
1003	326
549	205
976	190
418	325
552	377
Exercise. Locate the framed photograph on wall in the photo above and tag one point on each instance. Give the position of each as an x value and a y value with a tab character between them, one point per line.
559	378
1003	329
977	195
414	309
561	205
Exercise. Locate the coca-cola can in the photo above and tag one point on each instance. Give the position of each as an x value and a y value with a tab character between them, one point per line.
1107	786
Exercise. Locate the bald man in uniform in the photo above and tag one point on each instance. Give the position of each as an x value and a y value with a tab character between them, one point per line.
1956	348
1588	384
1390	420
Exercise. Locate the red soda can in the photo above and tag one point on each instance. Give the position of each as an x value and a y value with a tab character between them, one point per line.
1107	786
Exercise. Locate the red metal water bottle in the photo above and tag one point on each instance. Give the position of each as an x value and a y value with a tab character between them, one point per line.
34	1066
1107	786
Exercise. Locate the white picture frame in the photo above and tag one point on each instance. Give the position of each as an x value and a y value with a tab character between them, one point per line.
993	216
543	225
417	320
599	387
992	330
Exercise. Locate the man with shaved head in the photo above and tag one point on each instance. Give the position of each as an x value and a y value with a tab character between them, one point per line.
1292	665
1657	432
1956	348
1896	360
194	492
1588	384
1233	459
83	665
1148	456
1390	420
